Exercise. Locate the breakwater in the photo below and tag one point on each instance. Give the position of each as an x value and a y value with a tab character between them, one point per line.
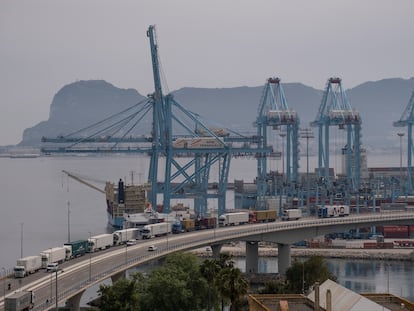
404	254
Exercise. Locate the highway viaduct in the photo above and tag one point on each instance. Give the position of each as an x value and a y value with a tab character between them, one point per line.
77	275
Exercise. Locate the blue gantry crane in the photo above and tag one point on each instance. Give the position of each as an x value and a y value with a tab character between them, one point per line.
407	120
335	110
274	113
182	148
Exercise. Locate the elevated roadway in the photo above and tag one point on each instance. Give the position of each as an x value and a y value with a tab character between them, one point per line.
79	274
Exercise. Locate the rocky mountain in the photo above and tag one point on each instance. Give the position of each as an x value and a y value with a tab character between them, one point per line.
78	105
83	103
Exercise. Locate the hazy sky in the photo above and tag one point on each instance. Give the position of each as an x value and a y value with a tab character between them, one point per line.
46	44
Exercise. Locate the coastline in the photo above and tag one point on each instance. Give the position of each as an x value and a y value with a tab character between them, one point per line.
403	254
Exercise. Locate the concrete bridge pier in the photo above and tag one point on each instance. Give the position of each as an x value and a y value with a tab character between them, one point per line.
216	248
73	303
117	276
252	256
283	258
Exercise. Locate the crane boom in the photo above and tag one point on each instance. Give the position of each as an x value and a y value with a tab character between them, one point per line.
83	181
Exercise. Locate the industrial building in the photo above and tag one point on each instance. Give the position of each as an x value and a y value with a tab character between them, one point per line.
329	296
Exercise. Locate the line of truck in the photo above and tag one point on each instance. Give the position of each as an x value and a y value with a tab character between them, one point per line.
251	217
31	264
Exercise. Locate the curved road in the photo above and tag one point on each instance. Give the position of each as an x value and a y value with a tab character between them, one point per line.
78	274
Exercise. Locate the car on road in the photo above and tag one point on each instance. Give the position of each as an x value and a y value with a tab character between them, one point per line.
152	248
131	242
52	267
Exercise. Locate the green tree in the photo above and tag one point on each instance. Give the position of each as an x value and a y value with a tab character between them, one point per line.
303	274
210	269
121	296
225	260
232	286
177	285
273	287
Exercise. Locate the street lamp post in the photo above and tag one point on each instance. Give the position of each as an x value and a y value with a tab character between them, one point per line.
57	300
51	276
21	240
401	174
168	224
283	135
90	256
68	222
4	284
307	133
56	283
126	246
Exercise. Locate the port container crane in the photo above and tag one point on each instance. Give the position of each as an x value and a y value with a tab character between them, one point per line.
189	147
274	113
407	120
204	146
335	110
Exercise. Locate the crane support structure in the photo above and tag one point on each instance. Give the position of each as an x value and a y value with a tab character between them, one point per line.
407	120
182	149
199	144
77	178
335	110
274	113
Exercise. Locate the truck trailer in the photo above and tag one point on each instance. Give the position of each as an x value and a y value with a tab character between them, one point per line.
19	301
333	211
51	255
188	225
233	219
292	214
205	223
76	248
122	236
27	265
263	216
100	242
154	230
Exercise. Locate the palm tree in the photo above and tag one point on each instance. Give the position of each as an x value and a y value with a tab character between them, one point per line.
232	286
225	260
209	270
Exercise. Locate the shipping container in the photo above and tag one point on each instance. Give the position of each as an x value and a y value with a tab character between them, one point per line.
188	225
400	232
205	223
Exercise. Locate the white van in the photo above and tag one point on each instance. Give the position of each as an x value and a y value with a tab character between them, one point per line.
52	267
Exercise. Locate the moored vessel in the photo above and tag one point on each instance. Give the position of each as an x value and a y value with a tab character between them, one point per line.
123	199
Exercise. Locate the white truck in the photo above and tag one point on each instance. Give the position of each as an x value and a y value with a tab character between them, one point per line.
122	236
101	241
54	254
333	211
19	301
292	214
27	265
233	219
154	230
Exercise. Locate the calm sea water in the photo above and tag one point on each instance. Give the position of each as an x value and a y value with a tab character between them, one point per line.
38	202
361	276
